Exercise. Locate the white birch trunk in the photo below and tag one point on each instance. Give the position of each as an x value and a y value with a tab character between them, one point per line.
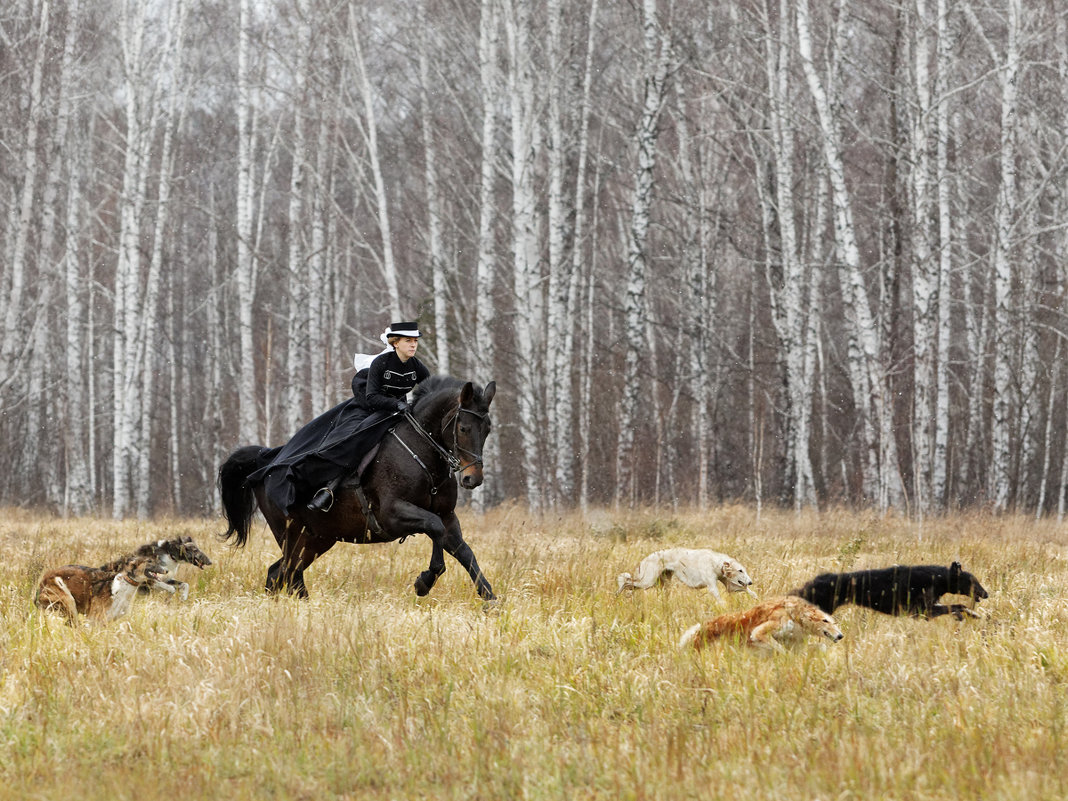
924	277
148	336
438	266
788	292
369	129
14	334
657	62
485	311
1001	424
943	180
559	322
78	494
298	348
529	304
248	418
882	477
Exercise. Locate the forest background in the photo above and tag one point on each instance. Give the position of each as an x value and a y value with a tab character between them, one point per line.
767	250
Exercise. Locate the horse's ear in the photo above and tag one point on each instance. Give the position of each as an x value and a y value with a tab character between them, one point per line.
467	393
489	392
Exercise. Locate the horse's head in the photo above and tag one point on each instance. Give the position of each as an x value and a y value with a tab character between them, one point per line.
470	427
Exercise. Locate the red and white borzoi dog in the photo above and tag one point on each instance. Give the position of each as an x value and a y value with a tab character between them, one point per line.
100	595
767	625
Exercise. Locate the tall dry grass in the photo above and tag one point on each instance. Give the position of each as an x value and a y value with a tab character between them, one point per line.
564	690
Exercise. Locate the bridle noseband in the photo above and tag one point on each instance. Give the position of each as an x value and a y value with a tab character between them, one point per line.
448	454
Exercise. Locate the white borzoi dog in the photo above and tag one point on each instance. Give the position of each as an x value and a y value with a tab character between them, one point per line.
100	595
693	567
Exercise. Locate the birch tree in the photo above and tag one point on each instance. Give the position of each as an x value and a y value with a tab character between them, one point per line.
14	285
368	126
882	481
924	278
485	312
438	266
656	59
788	281
529	310
246	269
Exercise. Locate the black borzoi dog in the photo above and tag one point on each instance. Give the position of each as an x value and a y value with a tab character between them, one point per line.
902	589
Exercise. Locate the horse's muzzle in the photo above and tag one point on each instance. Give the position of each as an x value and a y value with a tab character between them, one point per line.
471	477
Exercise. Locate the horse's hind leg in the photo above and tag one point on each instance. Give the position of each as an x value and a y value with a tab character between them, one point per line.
287	574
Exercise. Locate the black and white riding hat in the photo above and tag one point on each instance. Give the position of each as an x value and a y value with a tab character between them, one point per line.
403	330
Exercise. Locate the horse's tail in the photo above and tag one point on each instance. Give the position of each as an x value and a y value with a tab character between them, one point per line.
238	499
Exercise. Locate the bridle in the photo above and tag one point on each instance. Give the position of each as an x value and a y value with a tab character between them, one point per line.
448	454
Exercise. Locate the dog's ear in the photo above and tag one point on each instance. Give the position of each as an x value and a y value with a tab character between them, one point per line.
955	569
727	569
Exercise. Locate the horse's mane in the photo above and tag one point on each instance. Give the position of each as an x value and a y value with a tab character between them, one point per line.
436	385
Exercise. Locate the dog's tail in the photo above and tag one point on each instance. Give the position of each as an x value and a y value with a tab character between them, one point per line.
66	600
688	636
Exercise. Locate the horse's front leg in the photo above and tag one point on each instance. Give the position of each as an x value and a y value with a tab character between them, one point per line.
405	518
455	545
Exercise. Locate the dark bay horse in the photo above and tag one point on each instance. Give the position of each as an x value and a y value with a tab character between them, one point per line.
410	486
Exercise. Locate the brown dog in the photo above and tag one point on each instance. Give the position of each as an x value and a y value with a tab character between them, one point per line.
767	625
100	595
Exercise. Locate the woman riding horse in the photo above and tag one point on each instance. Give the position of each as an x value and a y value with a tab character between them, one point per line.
330	447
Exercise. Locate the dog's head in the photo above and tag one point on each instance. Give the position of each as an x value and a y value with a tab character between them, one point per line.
182	549
815	621
143	570
734	577
961	582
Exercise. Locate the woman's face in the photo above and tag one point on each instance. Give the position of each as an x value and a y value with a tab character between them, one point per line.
406	347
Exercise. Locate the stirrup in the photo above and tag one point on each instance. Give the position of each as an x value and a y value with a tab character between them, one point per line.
322	501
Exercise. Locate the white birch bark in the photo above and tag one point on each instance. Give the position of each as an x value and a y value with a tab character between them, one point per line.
943	180
369	129
322	308
248	422
565	409
298	349
485	312
172	114
882	480
559	320
924	276
78	494
14	335
1001	423
529	316
438	266
656	66
788	291
139	107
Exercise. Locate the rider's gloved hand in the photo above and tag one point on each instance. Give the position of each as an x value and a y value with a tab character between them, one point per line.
402	406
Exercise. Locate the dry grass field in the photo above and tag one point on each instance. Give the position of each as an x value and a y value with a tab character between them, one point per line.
563	690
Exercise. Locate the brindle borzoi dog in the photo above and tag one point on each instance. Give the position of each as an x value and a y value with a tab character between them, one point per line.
100	595
169	553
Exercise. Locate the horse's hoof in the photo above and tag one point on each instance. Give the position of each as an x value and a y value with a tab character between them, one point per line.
422	588
491	605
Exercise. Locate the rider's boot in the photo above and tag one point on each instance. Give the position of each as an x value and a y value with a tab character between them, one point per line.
323	500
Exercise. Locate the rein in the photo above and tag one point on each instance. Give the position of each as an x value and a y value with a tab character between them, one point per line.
454	463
